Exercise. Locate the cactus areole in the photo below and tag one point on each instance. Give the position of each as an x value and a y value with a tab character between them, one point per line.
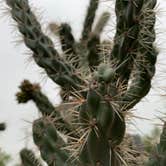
96	89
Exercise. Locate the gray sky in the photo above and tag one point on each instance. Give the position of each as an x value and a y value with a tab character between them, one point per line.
15	66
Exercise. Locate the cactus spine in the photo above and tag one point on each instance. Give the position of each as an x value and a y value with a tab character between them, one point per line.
103	87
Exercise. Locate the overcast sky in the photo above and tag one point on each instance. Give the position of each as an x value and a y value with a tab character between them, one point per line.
16	66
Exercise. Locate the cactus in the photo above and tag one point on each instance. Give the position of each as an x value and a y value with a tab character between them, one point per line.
4	158
96	89
158	156
2	126
28	158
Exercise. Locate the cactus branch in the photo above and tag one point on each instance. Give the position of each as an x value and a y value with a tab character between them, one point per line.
145	61
125	40
2	126
44	53
158	157
87	28
66	38
28	158
49	142
101	23
32	92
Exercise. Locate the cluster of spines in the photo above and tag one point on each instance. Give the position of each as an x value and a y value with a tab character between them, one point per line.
133	56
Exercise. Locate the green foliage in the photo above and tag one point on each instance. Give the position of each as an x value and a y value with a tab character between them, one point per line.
151	140
97	89
4	158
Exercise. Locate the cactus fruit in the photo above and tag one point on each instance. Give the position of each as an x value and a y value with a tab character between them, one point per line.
102	87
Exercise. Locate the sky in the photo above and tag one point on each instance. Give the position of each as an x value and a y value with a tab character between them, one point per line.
16	65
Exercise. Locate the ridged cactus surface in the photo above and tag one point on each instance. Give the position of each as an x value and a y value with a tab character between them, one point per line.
96	89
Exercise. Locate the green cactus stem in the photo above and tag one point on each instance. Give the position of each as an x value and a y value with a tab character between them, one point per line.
145	60
44	53
102	22
97	89
28	158
158	156
2	126
33	92
89	19
49	142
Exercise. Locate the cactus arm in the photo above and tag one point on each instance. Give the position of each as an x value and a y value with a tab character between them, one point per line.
162	143
32	92
158	156
125	39
90	16
49	143
2	126
145	61
162	146
44	53
133	54
68	43
66	38
93	42
140	85
28	158
29	91
93	47
101	23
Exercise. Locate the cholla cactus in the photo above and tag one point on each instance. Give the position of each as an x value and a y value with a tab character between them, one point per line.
97	89
158	156
28	158
2	126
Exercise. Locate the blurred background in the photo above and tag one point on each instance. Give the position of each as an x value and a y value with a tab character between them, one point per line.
16	64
